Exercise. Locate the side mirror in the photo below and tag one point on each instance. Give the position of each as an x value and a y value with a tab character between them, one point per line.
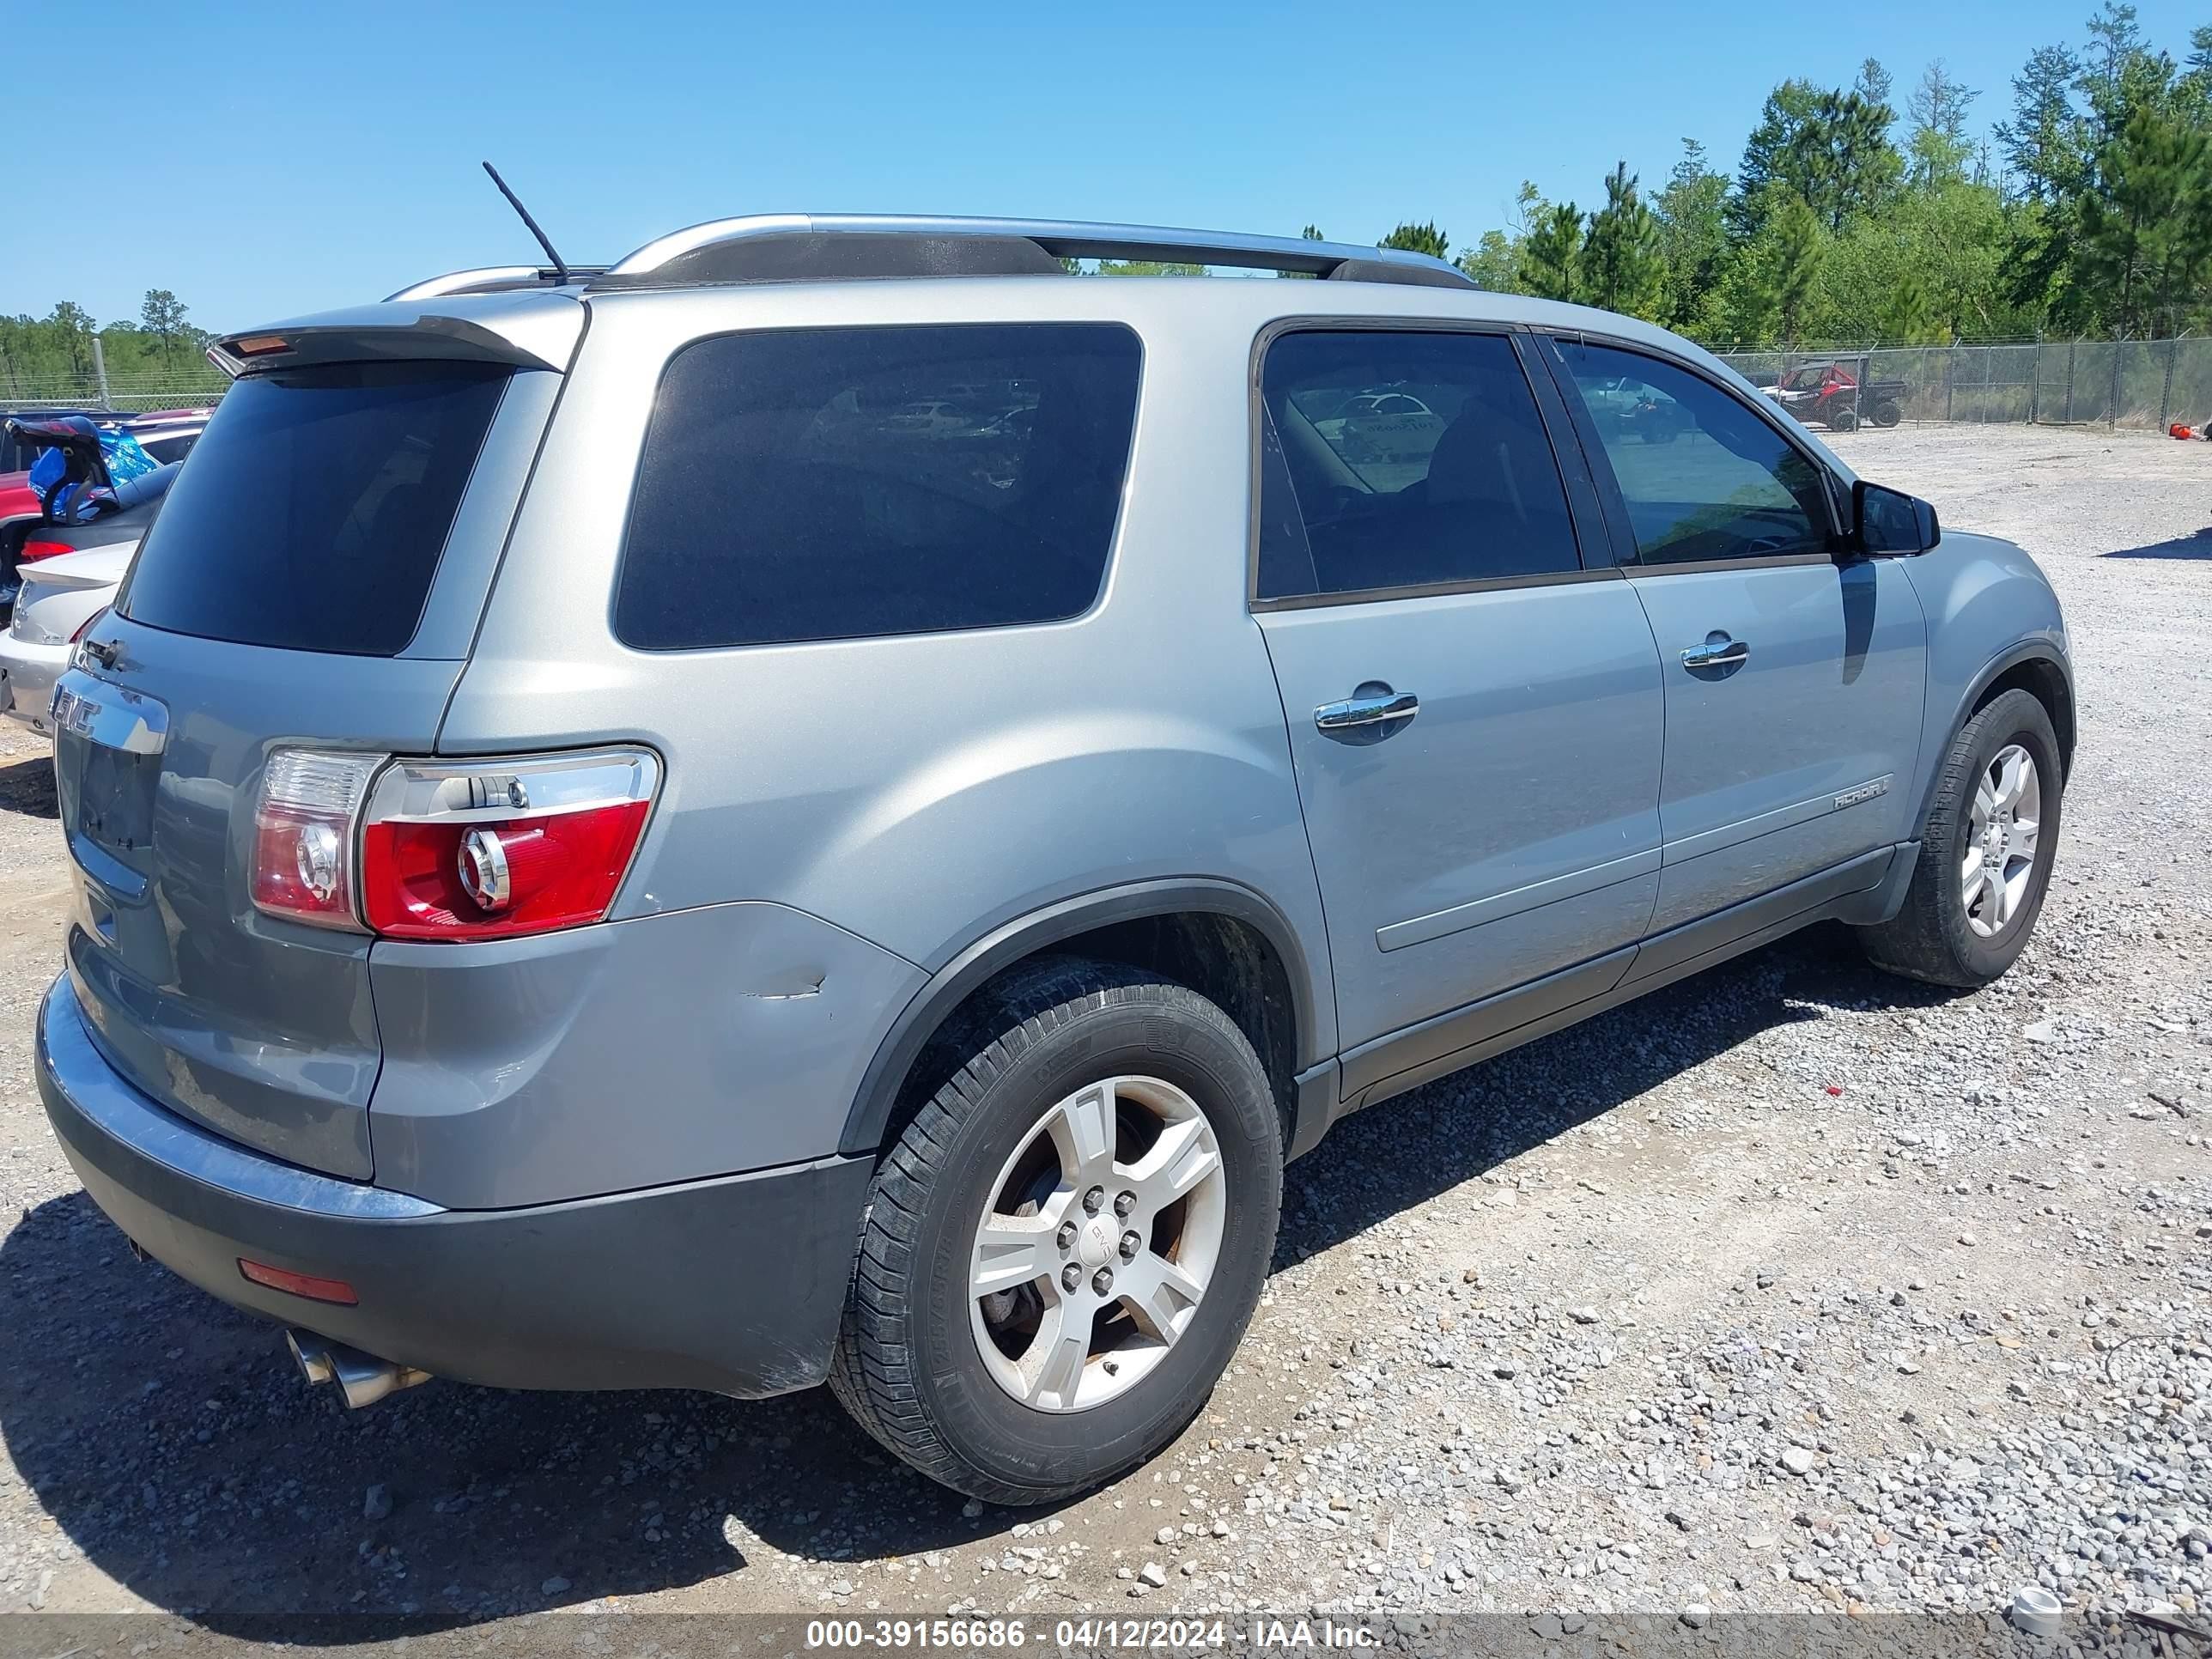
1891	521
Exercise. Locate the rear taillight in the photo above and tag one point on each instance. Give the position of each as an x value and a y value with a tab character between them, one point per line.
488	849
463	850
303	835
33	550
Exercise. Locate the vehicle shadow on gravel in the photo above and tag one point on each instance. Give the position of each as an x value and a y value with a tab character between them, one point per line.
175	1446
1406	1151
28	787
2198	546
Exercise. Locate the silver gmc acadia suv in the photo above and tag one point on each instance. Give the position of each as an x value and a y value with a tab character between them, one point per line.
832	801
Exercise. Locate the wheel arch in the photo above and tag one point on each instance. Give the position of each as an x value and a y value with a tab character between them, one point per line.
1222	938
2029	666
2046	680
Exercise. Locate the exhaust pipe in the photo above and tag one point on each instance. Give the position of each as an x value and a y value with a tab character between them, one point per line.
362	1378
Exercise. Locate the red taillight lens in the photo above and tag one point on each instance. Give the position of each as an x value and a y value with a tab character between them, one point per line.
466	852
33	550
303	835
492	878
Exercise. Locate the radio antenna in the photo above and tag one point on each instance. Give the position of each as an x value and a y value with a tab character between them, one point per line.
560	267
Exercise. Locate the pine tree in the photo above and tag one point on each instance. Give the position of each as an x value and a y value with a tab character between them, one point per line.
162	316
1424	238
1787	109
1692	238
1551	258
1622	267
1771	290
2144	236
1938	147
2045	146
1797	252
1841	160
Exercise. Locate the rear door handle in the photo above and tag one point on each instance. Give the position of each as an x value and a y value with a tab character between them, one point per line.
1371	708
1718	651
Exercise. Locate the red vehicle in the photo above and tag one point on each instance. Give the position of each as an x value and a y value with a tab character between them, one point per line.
20	514
1831	394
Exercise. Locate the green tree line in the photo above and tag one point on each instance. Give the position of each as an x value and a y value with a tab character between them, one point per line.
2088	212
161	348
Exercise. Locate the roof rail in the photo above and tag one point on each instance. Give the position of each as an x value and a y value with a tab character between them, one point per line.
1062	239
488	279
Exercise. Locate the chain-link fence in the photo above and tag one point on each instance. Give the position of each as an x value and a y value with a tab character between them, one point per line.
2129	383
132	396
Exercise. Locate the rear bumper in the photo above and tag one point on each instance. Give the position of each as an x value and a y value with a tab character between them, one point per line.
28	673
735	1285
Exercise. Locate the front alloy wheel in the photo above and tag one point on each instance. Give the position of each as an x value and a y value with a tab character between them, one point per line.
1983	862
2002	826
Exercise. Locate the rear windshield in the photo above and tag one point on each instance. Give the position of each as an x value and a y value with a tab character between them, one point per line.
842	483
316	506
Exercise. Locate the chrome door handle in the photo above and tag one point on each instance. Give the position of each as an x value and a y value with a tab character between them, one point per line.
1372	710
1718	651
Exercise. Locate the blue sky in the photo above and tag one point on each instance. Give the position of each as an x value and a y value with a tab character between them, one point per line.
292	157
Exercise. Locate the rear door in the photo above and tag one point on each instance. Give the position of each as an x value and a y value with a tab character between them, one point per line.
1793	680
1474	716
298	588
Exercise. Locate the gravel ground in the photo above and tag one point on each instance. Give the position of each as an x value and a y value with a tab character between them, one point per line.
1789	1288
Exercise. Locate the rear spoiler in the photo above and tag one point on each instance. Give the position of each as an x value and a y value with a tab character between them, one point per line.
520	330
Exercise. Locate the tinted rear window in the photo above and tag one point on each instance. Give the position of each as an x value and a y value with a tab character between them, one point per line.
316	508
1404	459
838	483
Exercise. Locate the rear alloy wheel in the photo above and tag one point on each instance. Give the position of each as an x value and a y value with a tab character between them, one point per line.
1985	851
1063	1248
1087	1269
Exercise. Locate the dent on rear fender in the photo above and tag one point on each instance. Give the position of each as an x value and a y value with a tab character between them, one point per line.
632	1055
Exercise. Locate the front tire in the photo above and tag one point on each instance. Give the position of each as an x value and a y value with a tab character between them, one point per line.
1063	1249
1985	851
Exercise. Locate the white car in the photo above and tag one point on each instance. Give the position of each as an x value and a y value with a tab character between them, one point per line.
60	598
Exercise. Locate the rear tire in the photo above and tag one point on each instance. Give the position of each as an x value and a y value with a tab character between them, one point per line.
1985	863
1887	414
1079	1357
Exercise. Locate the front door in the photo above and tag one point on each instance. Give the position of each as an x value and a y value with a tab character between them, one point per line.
1793	680
1474	717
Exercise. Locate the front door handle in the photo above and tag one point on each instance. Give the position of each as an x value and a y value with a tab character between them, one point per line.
1367	708
1718	651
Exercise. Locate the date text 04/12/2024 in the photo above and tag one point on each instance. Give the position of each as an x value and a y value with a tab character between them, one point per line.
1097	1634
